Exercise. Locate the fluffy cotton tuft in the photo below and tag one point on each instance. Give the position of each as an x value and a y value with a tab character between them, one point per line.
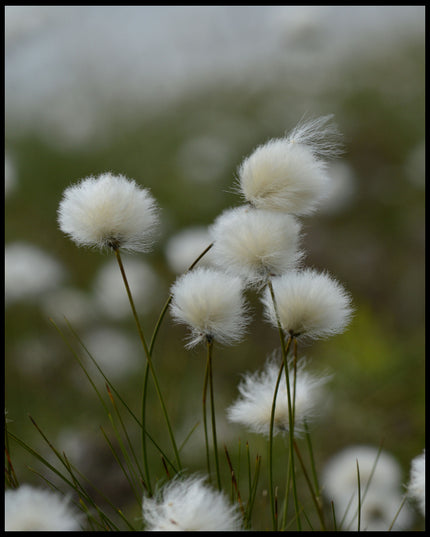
32	509
190	505
309	304
290	174
108	211
255	244
417	481
254	406
383	497
211	303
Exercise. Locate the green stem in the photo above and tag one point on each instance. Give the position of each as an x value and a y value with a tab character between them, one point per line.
205	425
211	392
290	406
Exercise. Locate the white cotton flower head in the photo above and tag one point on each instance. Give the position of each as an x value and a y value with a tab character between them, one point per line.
186	246
211	304
417	481
109	211
28	508
189	504
380	474
290	174
109	292
253	407
30	272
309	303
255	244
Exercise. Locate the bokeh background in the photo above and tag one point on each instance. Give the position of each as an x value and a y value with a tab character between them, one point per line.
175	97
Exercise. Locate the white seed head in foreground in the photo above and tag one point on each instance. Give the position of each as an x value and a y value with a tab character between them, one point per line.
32	509
254	405
309	304
211	303
190	505
108	211
417	481
290	174
383	497
255	244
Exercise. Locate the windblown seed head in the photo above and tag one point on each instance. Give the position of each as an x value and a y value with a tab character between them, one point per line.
255	244
254	405
32	509
189	504
309	304
289	174
211	303
108	211
417	481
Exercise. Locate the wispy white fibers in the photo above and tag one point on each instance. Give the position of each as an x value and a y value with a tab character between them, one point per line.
108	211
189	504
211	303
255	244
290	174
417	481
253	407
380	475
32	509
309	303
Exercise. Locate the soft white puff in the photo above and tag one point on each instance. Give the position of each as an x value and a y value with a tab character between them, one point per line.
32	509
417	481
253	407
290	174
255	244
309	304
108	211
211	303
188	504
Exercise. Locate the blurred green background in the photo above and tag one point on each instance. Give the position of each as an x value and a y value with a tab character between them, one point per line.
175	97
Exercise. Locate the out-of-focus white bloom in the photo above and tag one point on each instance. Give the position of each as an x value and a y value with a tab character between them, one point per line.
383	497
309	304
185	247
110	294
32	509
30	272
254	406
211	303
189	504
108	211
115	352
74	305
10	175
255	244
289	174
341	189
417	481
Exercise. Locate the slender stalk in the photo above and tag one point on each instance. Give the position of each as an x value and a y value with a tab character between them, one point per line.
211	393
359	497
154	376
290	406
205	425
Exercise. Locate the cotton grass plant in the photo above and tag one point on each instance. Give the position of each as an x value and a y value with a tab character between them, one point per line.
253	251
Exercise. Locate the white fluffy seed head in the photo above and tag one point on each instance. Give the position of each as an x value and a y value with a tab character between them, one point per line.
290	174
189	504
255	244
211	303
309	304
417	481
32	509
253	407
108	211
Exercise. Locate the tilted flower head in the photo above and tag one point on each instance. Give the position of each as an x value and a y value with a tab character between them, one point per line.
211	303
289	174
32	509
309	304
417	481
255	244
254	406
108	211
380	474
189	504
